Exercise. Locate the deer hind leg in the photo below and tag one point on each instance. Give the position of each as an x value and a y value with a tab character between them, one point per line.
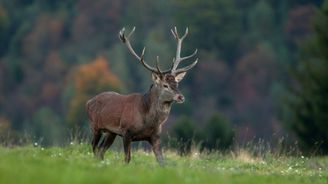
127	148
109	138
95	141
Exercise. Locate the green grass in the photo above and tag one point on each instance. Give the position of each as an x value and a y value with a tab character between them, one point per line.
76	164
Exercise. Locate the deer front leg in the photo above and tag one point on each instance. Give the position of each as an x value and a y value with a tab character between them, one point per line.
127	148
156	146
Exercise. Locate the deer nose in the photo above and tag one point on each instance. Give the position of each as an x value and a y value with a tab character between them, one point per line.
180	98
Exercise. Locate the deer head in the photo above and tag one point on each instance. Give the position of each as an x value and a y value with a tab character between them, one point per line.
165	82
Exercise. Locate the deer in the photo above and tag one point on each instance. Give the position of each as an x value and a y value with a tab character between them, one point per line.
138	116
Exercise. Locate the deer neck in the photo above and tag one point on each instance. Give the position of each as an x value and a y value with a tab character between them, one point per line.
154	107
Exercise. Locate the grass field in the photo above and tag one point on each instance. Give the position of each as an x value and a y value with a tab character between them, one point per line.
76	164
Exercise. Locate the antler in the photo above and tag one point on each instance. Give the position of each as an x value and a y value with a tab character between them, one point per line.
178	59
126	40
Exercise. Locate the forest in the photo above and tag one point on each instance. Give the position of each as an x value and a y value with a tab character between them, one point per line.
262	73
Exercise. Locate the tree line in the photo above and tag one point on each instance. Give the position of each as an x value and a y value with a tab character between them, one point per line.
261	71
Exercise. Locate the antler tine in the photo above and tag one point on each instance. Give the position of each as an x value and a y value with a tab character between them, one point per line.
121	35
142	53
126	40
157	65
174	34
178	58
186	33
134	28
176	31
142	60
184	69
190	56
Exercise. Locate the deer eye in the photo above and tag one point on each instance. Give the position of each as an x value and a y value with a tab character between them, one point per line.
165	86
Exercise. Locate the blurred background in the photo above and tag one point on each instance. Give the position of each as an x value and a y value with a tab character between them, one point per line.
262	71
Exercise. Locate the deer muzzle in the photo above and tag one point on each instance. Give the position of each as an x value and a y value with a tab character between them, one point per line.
179	98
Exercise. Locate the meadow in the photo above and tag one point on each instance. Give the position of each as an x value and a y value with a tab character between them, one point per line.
75	164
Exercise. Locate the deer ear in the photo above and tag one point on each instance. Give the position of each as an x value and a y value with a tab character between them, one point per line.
155	77
179	76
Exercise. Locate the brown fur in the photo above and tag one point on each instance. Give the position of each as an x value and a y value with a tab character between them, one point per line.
135	117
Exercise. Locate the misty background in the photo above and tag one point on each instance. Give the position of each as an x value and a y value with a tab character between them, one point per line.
261	75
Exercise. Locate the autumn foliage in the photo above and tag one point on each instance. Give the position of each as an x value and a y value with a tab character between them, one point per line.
88	80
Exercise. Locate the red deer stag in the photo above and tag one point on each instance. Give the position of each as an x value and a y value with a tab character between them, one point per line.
137	117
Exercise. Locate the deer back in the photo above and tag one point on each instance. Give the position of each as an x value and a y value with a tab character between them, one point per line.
116	112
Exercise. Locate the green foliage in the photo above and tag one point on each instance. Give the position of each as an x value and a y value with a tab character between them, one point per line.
47	127
217	133
261	21
308	104
183	133
4	29
214	24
